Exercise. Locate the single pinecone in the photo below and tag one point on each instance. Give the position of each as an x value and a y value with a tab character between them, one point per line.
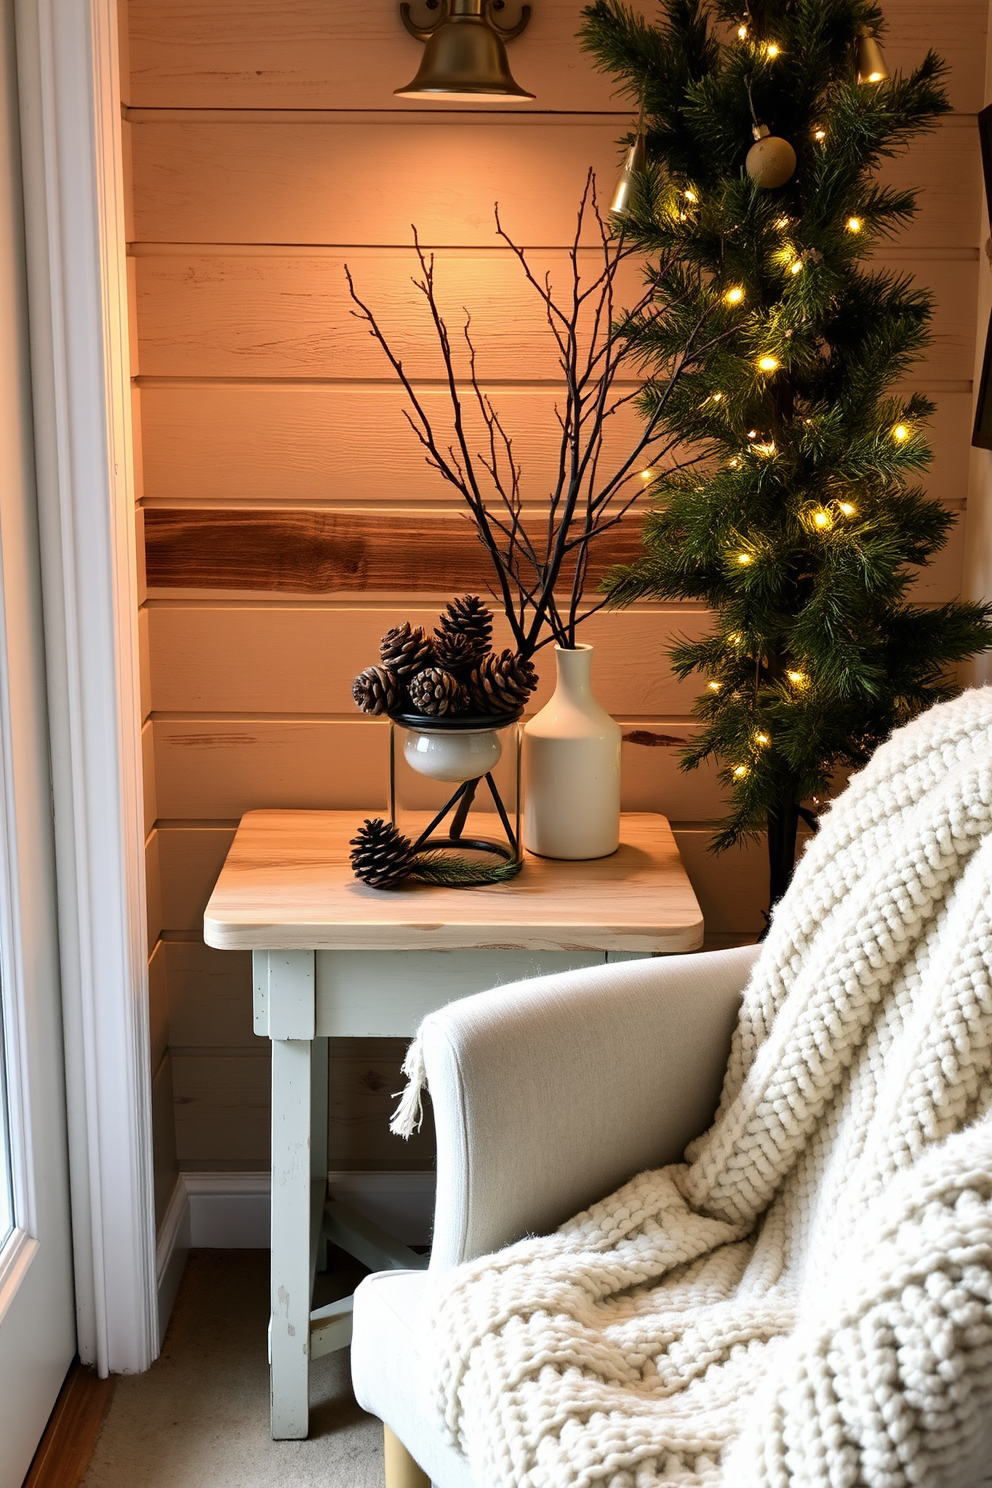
502	682
381	856
468	616
406	649
436	693
458	653
377	690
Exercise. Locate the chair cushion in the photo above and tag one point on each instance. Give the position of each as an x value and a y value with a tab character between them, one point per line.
388	1373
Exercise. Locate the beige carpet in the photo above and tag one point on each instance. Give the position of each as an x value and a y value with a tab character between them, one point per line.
200	1417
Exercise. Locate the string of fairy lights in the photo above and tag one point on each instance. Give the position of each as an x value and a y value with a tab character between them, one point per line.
770	162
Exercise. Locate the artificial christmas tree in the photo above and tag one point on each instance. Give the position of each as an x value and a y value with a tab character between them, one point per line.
800	526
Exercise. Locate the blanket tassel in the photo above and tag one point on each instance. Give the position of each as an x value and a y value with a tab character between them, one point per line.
409	1114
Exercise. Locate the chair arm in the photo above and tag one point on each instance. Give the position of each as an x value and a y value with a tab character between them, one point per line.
548	1094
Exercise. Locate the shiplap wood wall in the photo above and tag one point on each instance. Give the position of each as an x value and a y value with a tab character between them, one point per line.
288	515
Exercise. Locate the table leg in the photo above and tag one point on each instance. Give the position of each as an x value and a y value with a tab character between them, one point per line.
293	1240
318	1155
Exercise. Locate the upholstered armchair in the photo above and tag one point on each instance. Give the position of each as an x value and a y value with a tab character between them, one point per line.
547	1095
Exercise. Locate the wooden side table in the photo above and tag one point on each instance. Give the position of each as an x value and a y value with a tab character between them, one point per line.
335	958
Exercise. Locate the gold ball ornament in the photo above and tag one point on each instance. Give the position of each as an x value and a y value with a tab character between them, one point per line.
770	161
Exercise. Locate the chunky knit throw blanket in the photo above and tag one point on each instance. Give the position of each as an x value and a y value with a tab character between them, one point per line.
807	1299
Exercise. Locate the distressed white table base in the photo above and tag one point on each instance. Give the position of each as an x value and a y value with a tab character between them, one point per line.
302	998
287	893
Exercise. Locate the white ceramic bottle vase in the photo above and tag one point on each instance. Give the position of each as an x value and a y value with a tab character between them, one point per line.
571	768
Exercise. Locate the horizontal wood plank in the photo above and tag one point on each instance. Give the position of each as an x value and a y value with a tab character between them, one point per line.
285	443
297	443
189	861
209	996
289	314
327	552
324	181
333	181
307	553
215	767
166	1167
148	777
158	1004
327	54
153	889
268	659
223	1102
222	1105
245	315
732	887
334	54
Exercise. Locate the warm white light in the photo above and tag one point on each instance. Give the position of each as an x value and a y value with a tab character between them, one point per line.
713	686
900	432
781	222
819	134
797	267
691	196
734	295
847	508
743	557
772	49
762	739
797	677
646	475
742	33
854	224
740	771
765	450
768	364
821	519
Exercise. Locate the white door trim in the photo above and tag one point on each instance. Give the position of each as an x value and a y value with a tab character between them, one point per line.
71	141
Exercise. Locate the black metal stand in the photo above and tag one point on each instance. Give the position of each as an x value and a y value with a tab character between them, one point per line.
461	804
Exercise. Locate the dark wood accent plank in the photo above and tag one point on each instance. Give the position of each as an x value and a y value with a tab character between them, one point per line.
319	552
74	1426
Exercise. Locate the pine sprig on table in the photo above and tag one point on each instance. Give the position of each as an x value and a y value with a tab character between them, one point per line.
802	519
384	858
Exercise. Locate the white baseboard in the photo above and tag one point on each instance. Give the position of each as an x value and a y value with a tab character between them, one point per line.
230	1211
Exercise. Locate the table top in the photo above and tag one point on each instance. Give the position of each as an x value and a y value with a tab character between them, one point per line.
287	884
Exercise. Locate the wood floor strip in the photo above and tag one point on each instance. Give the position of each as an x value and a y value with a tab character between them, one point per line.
73	1429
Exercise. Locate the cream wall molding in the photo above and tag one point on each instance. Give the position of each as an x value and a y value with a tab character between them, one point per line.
71	145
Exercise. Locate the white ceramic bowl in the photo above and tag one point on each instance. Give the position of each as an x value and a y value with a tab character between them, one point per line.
453	755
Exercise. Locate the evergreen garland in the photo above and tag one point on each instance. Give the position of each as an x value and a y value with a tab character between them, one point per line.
802	523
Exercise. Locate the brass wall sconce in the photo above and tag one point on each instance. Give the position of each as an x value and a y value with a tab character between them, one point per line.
869	58
465	54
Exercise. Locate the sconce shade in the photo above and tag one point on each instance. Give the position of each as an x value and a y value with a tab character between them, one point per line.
637	157
870	59
464	59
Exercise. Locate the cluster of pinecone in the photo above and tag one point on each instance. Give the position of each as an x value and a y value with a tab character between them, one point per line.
454	671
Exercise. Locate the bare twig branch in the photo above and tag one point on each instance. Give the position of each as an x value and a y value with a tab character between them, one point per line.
590	494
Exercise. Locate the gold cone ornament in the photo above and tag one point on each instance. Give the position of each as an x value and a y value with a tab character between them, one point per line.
771	160
870	58
637	157
465	55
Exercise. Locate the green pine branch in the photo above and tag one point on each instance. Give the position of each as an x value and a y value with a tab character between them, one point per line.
802	522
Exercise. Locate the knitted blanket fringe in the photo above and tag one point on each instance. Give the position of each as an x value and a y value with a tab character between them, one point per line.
806	1300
